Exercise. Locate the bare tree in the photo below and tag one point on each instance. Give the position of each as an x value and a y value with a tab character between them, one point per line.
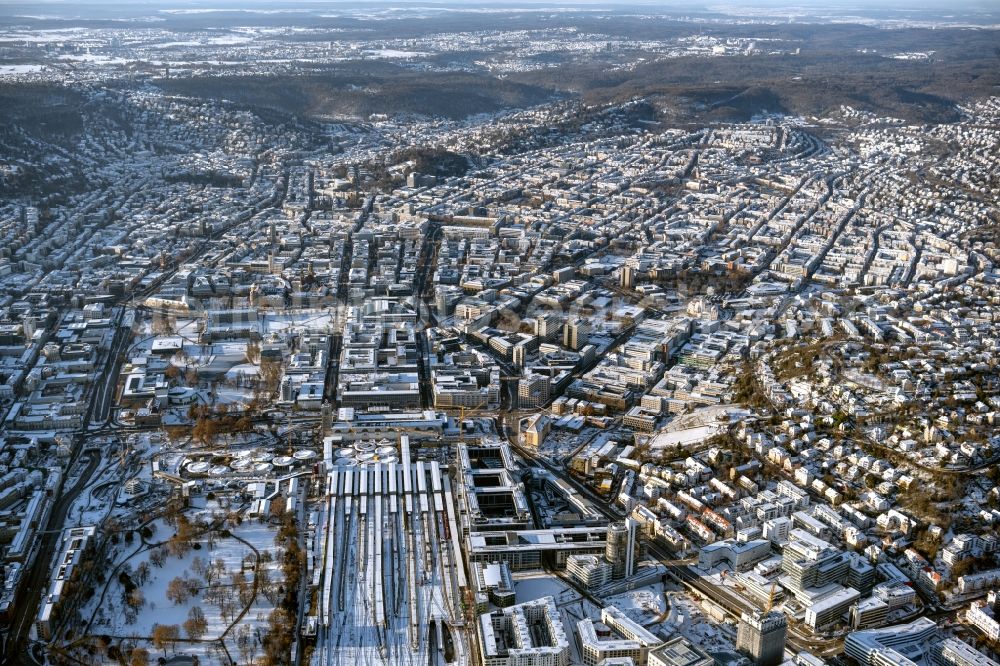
213	594
198	566
263	578
163	324
165	635
195	625
138	657
244	590
158	556
270	377
135	599
210	574
178	590
227	604
142	573
246	644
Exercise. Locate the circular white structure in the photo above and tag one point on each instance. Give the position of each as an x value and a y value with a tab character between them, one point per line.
198	467
345	462
384	451
389	459
346	452
283	461
219	470
304	454
242	465
364	446
263	468
263	457
364	458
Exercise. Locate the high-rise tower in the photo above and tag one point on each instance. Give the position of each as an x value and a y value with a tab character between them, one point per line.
762	636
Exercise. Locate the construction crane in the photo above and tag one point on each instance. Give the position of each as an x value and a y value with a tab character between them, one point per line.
471	410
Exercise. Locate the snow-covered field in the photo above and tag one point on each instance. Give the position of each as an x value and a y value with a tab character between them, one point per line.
678	438
695	428
225	595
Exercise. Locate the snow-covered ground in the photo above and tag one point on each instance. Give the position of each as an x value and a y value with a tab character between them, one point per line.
561	443
535	586
320	322
569	440
687	618
393	53
644	605
232	559
679	438
20	69
572	613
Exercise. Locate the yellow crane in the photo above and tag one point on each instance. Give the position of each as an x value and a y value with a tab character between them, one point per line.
471	410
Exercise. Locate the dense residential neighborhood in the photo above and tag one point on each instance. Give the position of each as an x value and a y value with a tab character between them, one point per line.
550	385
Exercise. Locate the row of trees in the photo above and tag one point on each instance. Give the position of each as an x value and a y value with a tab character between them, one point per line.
210	422
100	650
167	635
277	642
